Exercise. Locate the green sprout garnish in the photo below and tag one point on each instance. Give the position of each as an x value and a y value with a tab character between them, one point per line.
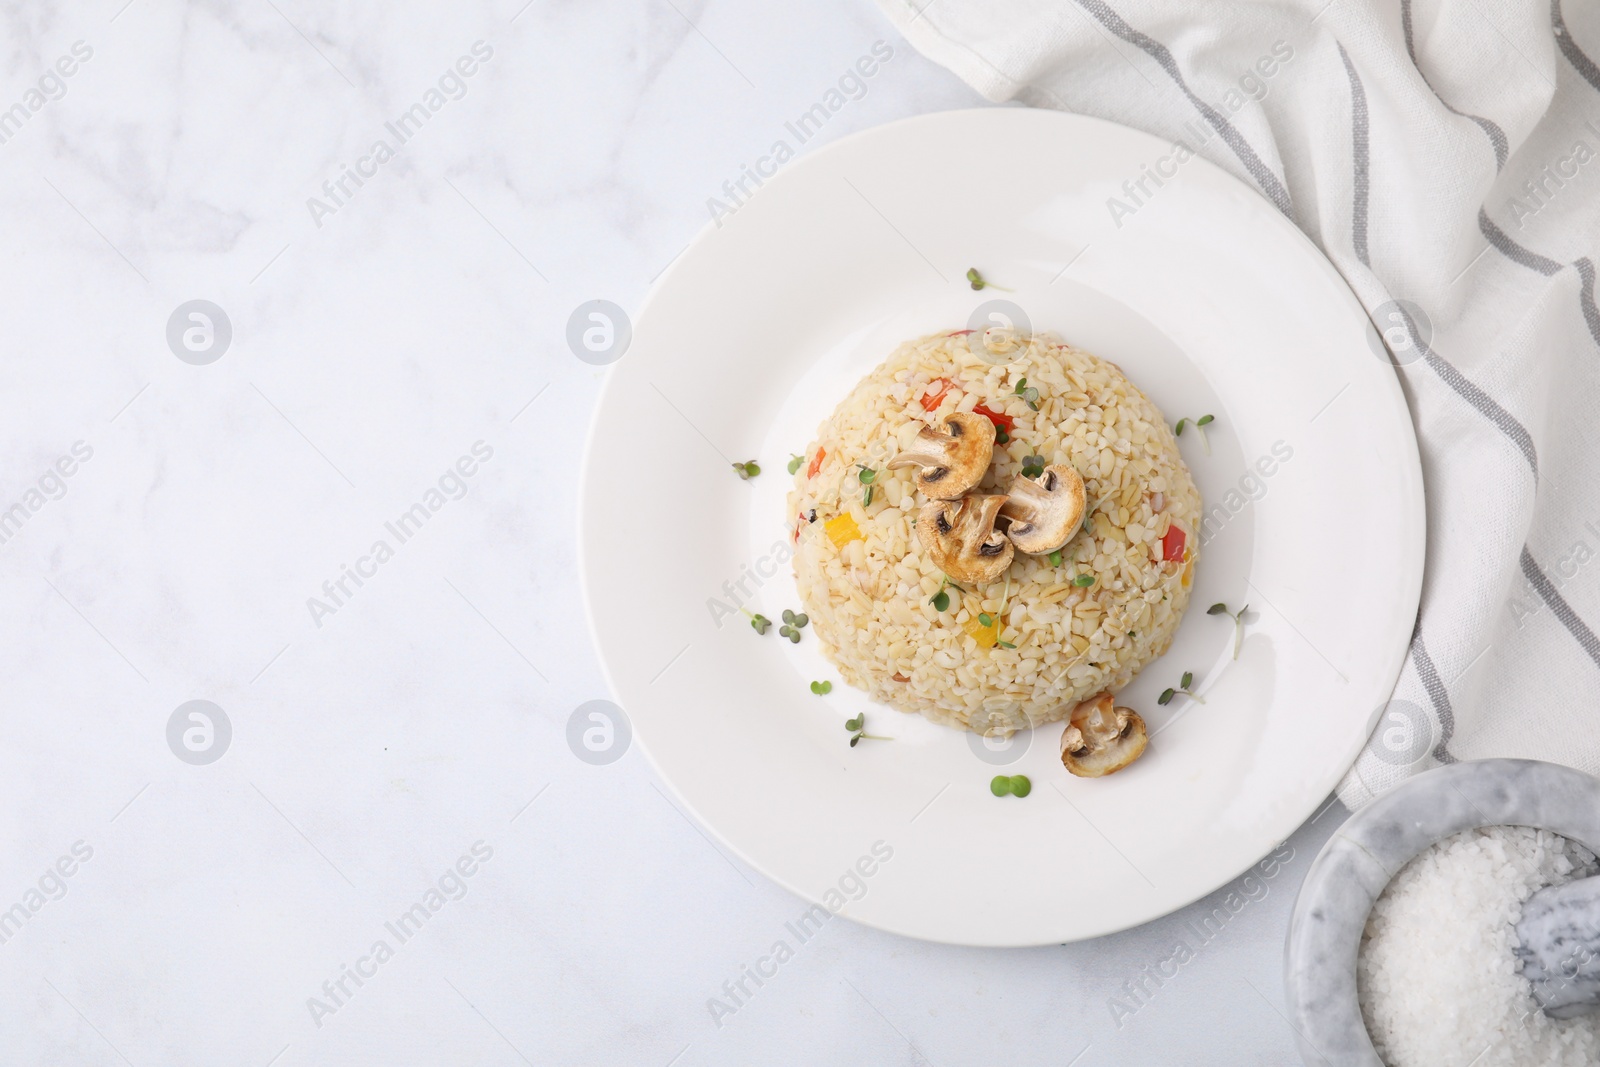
1200	425
747	470
1238	622
758	623
1055	558
866	475
1083	581
1033	466
1017	785
997	620
1000	435
822	689
858	727
1027	393
1184	685
977	281
795	462
866	497
792	624
941	599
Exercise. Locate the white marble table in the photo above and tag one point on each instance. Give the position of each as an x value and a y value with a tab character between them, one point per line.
178	529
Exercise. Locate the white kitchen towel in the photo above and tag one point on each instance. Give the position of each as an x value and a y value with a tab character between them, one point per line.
1445	155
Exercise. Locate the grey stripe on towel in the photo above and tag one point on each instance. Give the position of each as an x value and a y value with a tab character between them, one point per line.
1258	170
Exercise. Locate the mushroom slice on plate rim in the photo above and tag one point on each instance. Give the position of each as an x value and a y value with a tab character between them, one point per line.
1101	739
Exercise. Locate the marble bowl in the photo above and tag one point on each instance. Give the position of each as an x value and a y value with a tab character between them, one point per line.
1351	871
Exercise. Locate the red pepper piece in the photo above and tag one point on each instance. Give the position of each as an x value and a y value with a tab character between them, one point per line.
1172	544
1001	421
932	400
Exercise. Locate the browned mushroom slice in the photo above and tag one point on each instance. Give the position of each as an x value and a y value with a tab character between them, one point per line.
960	537
1044	514
953	461
1101	739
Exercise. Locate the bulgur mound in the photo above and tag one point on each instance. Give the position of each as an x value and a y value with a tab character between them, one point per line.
867	583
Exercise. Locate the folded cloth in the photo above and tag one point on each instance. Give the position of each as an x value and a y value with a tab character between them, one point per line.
1444	157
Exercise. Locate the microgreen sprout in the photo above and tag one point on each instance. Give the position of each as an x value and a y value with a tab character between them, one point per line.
1238	622
941	599
1200	425
858	728
1083	581
1016	785
866	476
758	623
1032	466
1055	558
792	624
1027	393
747	470
822	689
1184	687
997	620
977	281
795	462
1000	436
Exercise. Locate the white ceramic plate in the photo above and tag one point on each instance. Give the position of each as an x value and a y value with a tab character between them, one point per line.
1212	303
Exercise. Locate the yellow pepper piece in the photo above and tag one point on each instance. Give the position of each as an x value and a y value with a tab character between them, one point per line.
842	529
986	636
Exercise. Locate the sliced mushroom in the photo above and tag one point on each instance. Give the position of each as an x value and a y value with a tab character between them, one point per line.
952	462
960	537
1101	739
1044	514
